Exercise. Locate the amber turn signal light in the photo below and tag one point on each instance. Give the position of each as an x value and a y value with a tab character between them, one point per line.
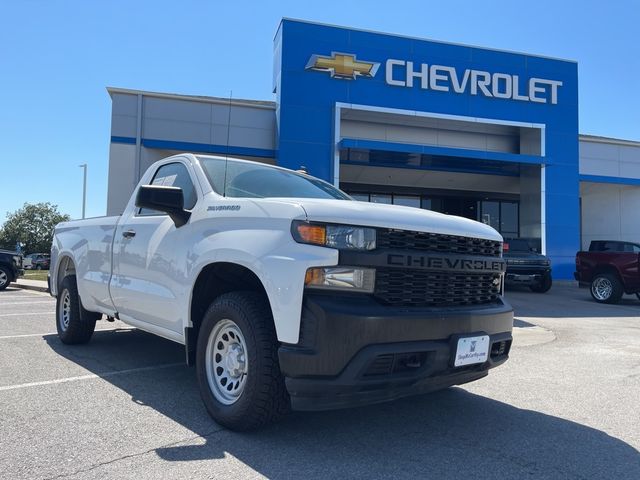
308	233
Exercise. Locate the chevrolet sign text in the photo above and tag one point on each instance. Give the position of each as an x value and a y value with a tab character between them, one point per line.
442	78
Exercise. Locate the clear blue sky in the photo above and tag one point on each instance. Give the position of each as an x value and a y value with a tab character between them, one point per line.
57	57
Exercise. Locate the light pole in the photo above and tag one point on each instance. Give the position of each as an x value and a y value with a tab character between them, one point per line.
84	188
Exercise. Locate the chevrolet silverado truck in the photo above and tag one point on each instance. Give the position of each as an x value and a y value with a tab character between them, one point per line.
609	269
525	266
284	291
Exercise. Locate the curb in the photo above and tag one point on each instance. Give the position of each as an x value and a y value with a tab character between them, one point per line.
29	287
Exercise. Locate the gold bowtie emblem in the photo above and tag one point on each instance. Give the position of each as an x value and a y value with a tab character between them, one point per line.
342	65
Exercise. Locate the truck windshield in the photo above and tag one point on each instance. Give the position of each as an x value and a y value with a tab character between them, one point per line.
251	180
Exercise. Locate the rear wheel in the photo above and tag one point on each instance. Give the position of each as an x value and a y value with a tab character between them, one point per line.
5	278
38	267
73	322
237	363
606	288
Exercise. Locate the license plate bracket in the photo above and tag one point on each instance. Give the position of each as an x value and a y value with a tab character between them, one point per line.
471	350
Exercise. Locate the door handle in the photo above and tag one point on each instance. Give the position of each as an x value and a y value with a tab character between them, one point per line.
129	233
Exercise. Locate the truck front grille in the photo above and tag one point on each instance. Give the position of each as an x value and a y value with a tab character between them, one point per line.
418	288
436	242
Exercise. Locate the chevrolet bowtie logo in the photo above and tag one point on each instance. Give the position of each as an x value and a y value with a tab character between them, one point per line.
342	65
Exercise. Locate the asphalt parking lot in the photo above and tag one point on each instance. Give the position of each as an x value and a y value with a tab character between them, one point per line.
566	405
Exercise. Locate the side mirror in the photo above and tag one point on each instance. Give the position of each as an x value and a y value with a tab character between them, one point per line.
169	200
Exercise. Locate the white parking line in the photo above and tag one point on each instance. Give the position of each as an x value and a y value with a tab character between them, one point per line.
23	314
49	302
5	337
89	377
26	295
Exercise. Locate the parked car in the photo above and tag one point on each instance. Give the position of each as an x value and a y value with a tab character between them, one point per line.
37	261
525	266
284	291
609	269
10	267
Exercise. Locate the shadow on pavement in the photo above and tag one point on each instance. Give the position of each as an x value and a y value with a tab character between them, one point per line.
452	433
566	300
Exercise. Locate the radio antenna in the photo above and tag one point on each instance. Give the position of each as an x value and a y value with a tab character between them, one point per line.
226	152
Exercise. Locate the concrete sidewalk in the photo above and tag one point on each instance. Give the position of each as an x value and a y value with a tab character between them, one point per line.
38	285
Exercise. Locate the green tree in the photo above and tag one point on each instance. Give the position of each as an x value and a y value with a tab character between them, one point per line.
32	225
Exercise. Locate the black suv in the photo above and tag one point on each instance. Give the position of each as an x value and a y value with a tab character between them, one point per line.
525	266
10	267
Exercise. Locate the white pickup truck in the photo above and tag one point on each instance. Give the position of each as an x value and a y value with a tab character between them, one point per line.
285	292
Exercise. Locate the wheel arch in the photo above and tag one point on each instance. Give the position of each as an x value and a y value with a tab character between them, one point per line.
605	268
65	266
216	279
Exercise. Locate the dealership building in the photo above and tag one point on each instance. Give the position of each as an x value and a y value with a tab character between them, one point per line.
485	134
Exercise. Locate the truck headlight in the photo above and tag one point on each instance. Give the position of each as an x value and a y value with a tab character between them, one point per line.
341	278
334	236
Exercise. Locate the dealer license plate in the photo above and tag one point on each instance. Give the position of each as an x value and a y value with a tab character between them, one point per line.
523	278
472	350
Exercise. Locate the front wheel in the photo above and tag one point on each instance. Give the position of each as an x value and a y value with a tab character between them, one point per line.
73	322
544	286
237	363
606	288
5	278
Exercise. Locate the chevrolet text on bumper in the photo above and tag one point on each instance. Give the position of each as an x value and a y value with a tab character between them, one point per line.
285	292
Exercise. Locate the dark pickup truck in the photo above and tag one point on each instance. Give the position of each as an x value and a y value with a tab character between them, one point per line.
10	268
525	266
609	269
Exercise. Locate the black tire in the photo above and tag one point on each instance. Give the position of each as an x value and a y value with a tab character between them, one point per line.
5	277
78	324
38	267
544	286
263	398
606	288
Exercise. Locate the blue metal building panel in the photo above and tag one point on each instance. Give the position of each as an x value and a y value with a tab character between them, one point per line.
308	89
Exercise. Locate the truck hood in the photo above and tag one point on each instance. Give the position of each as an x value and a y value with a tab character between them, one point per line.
390	216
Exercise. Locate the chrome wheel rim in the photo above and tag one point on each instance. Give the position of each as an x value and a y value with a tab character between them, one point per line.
602	288
65	310
226	362
3	278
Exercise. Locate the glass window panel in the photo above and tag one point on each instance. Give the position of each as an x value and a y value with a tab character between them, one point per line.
469	209
509	217
407	200
360	197
491	214
381	198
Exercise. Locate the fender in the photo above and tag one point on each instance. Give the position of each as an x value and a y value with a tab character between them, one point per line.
277	261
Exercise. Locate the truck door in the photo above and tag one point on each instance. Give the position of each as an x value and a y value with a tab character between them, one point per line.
149	260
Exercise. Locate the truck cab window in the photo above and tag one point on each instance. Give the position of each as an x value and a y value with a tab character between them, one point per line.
174	175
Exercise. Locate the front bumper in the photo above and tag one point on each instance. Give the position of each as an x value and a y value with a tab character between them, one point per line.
353	351
523	275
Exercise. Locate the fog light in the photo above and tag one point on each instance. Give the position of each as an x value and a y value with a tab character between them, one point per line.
341	278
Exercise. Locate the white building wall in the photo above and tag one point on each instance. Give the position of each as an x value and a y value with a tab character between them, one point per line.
609	157
609	212
431	135
122	166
